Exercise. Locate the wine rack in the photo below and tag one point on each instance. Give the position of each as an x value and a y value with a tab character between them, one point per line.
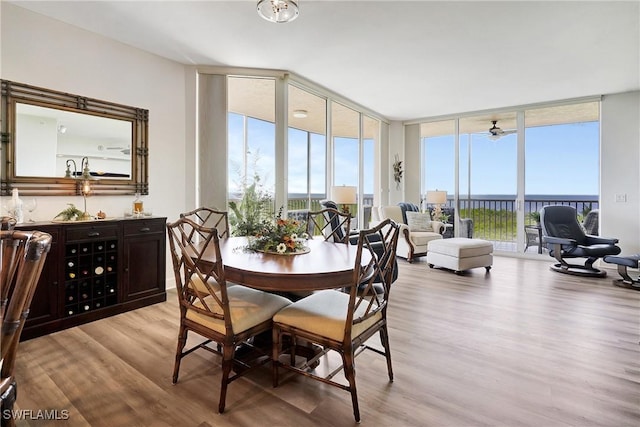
97	269
91	279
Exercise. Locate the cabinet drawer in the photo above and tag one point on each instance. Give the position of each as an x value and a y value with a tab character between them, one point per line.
144	226
92	232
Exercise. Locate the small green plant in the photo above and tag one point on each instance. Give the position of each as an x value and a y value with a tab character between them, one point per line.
254	210
70	214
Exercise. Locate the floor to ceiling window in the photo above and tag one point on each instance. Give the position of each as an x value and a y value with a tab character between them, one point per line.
251	141
438	160
345	130
562	141
307	149
277	146
504	178
488	164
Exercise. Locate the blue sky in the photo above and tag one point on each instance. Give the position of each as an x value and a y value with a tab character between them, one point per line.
559	160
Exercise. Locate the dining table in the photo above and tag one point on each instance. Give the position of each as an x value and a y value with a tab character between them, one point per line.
325	265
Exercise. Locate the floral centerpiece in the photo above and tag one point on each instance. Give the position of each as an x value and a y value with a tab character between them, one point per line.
282	236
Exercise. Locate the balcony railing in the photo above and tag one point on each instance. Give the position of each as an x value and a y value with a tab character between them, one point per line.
494	217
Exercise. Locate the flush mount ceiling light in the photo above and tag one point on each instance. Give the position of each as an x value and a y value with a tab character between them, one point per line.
278	10
300	114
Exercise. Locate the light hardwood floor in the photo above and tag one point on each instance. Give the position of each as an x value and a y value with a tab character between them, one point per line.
520	346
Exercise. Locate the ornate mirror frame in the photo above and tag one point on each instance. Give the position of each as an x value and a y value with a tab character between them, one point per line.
13	93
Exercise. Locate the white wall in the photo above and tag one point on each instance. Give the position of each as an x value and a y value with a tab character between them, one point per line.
44	52
620	169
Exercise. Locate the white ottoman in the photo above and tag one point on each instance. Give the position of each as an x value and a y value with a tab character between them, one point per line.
459	254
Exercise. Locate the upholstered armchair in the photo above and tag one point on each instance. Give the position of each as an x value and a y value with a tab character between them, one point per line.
416	229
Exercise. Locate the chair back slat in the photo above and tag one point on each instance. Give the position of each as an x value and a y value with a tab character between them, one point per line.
332	224
23	255
379	245
201	285
210	218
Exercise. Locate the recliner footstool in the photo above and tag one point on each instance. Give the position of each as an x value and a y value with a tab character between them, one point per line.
623	262
460	254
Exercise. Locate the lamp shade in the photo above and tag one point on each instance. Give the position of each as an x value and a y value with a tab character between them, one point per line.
278	10
344	195
437	197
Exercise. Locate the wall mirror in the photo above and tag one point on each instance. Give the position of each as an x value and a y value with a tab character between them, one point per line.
46	135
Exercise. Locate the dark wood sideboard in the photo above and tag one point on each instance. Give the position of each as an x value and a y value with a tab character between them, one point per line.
97	269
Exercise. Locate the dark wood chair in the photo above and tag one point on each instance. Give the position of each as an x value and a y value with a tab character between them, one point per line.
226	315
210	218
332	224
343	322
23	255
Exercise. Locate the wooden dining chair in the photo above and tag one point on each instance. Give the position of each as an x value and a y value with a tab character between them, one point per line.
226	315
332	224
210	218
343	322
23	255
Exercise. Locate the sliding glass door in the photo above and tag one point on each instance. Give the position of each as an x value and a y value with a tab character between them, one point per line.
504	176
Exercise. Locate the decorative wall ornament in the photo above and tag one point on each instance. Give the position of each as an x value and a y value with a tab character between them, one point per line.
397	171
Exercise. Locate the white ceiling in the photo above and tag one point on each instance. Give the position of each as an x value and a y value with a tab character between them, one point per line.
402	59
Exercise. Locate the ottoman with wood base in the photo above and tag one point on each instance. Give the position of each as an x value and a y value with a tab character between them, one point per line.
460	254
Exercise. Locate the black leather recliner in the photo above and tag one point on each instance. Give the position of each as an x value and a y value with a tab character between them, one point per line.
565	238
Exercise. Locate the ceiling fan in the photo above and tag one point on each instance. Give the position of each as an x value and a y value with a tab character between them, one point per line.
496	133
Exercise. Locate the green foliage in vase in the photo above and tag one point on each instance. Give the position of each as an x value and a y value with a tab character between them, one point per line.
280	235
70	214
254	210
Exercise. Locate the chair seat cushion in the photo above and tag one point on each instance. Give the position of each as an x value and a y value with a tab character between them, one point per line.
595	250
324	313
460	247
421	238
248	307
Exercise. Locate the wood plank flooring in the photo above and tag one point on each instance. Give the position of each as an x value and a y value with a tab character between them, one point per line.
519	346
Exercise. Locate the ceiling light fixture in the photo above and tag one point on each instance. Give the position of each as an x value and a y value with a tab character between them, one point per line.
278	11
300	114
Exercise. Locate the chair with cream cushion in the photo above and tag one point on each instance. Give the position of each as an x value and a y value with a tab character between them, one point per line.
415	234
341	321
227	315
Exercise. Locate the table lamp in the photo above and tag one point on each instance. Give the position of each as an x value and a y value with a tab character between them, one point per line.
344	195
437	198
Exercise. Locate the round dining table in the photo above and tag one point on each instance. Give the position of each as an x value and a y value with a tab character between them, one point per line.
326	266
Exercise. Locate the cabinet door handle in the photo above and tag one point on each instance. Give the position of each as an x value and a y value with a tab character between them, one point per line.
144	229
93	234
